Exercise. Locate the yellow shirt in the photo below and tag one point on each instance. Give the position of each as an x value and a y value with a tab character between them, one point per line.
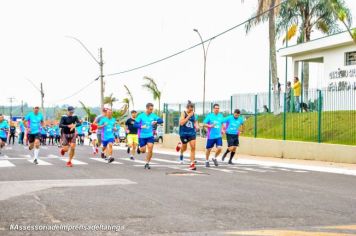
297	89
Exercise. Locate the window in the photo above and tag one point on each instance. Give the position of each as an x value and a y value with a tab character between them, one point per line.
350	58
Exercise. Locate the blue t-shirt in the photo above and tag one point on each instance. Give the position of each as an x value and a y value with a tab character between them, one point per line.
22	126
217	120
79	129
108	130
233	124
117	131
52	131
56	130
34	122
44	130
188	129
3	127
144	124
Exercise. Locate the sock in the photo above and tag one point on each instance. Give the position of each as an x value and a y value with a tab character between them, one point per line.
35	152
227	151
232	155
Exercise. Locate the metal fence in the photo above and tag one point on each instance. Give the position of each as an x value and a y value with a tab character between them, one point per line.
325	116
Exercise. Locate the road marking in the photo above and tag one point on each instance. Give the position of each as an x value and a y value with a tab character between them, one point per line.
6	163
105	161
167	161
222	170
251	169
75	162
342	227
8	148
137	161
16	188
40	162
286	233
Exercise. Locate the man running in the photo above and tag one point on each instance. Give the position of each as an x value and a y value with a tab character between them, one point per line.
188	126
12	133
233	124
34	124
214	135
68	124
43	135
4	128
145	122
108	126
80	133
132	137
93	137
98	133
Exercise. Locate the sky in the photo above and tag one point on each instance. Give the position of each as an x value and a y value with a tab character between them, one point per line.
34	47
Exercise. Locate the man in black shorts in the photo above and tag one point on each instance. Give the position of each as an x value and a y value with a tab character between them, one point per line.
68	124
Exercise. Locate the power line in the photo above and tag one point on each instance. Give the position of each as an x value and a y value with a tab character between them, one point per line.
196	45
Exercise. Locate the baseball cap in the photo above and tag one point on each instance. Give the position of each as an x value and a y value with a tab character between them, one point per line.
71	109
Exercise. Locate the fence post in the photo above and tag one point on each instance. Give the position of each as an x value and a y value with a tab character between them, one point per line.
319	115
231	104
302	90
284	116
167	118
255	131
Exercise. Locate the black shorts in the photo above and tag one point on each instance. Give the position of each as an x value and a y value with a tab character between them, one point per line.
187	139
68	139
232	140
33	137
3	139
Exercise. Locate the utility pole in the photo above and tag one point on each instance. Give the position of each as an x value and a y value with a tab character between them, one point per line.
102	89
42	102
11	99
22	108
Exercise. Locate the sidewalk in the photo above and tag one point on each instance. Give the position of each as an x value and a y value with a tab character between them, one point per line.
330	167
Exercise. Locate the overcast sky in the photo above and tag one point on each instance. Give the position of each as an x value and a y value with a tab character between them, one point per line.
33	46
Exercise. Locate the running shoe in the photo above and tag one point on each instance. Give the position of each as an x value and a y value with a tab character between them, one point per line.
96	150
35	162
181	160
132	158
215	162
62	152
207	164
179	146
128	149
147	166
138	150
69	164
102	155
192	167
111	159
230	162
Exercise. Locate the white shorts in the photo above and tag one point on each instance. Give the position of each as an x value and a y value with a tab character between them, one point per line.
93	136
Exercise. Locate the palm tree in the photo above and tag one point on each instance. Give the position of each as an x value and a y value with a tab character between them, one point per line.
129	94
263	6
305	16
127	102
151	86
110	100
91	116
121	113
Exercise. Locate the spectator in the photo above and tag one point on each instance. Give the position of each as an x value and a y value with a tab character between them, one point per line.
12	133
297	89
22	131
288	95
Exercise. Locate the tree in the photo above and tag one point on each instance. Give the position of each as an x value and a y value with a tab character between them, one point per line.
110	100
302	17
129	94
127	102
120	114
91	116
151	86
263	6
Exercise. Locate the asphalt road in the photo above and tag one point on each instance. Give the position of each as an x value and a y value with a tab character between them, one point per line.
168	199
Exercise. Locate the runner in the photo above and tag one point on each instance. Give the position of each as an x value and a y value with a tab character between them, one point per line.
80	133
57	134
12	133
108	126
4	127
93	137
117	134
233	124
34	124
52	134
68	124
132	138
22	131
145	122
98	133
43	135
188	126
214	135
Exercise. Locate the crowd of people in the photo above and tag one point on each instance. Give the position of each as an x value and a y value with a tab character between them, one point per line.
69	132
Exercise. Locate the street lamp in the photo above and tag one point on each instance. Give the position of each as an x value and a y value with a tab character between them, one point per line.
101	65
205	51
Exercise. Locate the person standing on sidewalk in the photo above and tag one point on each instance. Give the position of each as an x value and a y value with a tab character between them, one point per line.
297	89
145	123
232	127
12	133
188	126
214	123
4	127
22	131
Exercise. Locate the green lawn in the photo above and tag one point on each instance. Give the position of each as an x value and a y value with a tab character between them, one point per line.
337	127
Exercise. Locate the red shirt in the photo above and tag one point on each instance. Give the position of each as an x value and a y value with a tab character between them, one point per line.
93	128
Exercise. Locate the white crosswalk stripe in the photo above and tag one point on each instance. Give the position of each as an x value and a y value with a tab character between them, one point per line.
6	163
105	161
75	162
40	162
137	161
